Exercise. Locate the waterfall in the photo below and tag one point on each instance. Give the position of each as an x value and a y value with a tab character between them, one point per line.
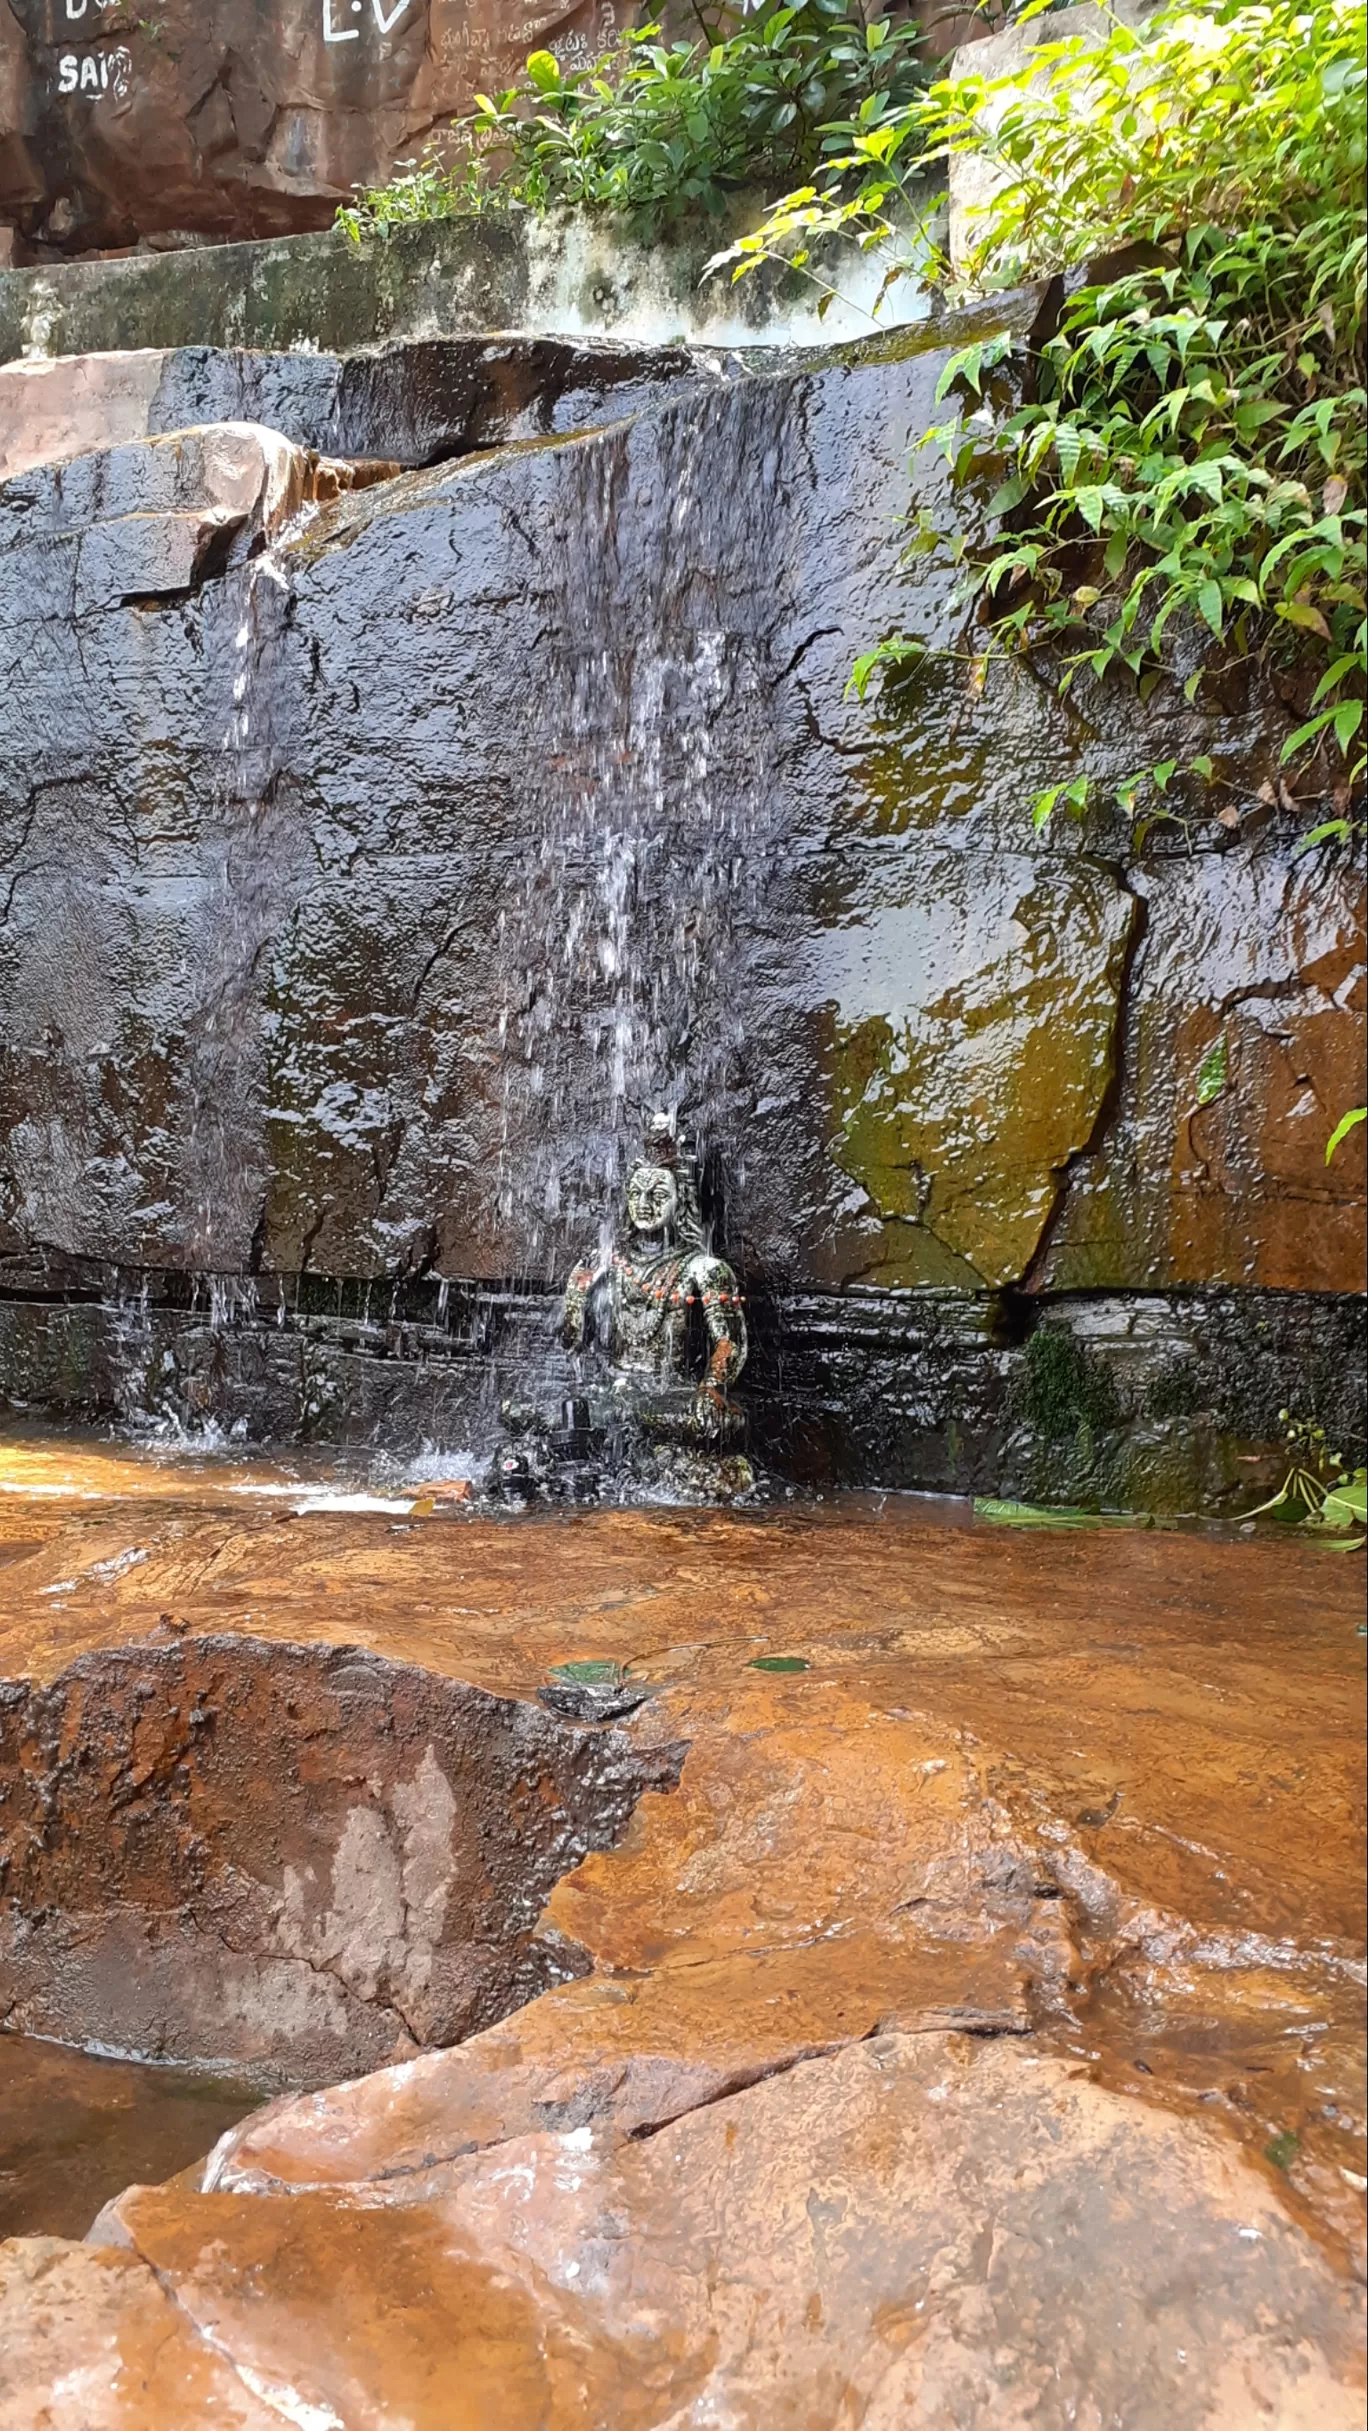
622	934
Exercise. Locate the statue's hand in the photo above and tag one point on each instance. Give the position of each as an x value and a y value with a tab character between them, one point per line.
577	1293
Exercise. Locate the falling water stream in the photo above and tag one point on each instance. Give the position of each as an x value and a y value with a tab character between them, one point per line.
621	937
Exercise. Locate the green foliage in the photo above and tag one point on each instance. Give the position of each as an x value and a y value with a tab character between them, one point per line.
658	132
1319	1492
1054	1515
1347	1123
1215	1072
425	189
1181	477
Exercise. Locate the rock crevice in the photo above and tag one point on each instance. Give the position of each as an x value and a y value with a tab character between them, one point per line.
295	1859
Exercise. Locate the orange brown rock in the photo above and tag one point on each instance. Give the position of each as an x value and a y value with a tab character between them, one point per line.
940	2022
224	122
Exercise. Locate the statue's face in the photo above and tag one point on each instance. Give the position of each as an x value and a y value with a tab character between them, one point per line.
651	1198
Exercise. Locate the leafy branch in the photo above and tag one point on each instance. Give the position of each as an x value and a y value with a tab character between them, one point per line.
1181	473
658	132
1319	1492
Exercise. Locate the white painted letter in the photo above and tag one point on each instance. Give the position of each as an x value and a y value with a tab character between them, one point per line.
349	33
68	70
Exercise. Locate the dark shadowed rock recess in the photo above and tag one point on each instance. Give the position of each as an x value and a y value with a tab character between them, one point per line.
369	877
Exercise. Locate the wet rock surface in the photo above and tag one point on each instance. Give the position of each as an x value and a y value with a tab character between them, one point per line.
407	404
973	2035
361	900
227	1850
76	2128
130	525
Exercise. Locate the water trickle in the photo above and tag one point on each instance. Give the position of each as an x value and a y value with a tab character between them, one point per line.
623	930
223	1066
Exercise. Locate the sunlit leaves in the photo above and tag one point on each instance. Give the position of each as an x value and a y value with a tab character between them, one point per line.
1347	1123
1214	1074
657	131
1187	465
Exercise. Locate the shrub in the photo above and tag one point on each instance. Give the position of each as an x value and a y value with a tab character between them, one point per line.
660	132
1190	443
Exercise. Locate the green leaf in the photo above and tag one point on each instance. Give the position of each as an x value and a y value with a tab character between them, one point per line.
1065	1515
1304	735
1346	1504
1211	607
1117	550
544	69
1345	664
970	364
1307	619
1214	1072
1338	828
780	1662
1347	1123
1010	494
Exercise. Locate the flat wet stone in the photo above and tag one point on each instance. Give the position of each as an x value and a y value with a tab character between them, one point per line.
975	2028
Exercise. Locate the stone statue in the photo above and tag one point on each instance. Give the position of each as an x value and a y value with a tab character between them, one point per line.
639	1302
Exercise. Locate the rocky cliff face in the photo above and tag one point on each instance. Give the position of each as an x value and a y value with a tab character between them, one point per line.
364	895
234	120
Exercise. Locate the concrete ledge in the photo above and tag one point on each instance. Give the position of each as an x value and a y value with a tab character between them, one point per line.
568	275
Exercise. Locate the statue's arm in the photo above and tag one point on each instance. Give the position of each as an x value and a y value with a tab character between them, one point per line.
577	1292
725	1319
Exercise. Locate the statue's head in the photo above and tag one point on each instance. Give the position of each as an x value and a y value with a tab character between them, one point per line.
652	1198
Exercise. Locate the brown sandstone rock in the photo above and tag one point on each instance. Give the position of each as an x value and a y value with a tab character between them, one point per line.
940	2020
91	2342
919	2231
227	122
72	406
302	1861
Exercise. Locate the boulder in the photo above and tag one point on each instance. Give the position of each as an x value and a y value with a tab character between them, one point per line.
152	519
234	123
971	2037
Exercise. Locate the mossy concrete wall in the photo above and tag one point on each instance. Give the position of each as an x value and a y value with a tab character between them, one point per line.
566	275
